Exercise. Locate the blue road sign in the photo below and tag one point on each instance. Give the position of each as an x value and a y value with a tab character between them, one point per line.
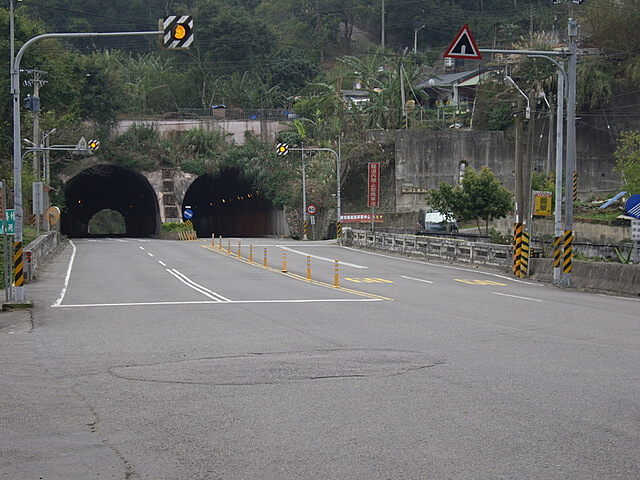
633	206
188	214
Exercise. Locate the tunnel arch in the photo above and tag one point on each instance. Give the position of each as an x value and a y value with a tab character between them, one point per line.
228	204
111	187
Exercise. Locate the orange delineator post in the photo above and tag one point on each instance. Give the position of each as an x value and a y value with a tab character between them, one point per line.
308	267
336	283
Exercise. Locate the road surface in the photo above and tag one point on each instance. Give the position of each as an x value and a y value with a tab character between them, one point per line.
149	359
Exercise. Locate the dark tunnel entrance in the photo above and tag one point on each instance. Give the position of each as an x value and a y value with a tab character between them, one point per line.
115	188
229	205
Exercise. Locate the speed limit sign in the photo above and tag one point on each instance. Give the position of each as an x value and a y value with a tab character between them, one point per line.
311	209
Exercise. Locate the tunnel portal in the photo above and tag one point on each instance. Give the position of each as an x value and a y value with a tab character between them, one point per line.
228	205
115	188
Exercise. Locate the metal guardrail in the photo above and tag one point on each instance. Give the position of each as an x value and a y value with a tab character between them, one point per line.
475	253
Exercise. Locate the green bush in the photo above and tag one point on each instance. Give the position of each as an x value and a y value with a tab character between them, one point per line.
176	227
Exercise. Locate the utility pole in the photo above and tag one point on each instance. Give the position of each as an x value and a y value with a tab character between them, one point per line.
571	155
382	35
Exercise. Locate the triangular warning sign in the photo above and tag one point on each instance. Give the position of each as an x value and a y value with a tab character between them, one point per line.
463	46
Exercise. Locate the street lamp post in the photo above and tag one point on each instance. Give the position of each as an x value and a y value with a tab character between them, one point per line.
415	38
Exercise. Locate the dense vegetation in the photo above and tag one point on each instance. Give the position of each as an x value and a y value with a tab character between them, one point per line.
290	54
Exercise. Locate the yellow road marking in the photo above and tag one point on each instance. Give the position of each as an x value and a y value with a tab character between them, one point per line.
480	282
368	280
297	277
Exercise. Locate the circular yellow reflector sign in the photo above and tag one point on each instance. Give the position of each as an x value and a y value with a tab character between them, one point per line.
179	32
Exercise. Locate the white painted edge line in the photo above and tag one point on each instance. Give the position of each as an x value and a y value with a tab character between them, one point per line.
518	297
198	288
451	267
417	279
324	259
212	302
67	276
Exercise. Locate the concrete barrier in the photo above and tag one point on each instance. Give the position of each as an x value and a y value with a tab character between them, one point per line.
455	250
616	278
38	252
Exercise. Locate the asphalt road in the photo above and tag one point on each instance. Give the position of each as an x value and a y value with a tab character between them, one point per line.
151	359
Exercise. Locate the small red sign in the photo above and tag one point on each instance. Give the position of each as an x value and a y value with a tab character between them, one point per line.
311	209
373	190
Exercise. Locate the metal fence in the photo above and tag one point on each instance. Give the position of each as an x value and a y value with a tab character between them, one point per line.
38	252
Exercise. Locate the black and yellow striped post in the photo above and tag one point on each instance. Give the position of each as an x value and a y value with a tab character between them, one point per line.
339	230
18	265
568	252
405	121
306	229
524	258
575	186
517	248
557	252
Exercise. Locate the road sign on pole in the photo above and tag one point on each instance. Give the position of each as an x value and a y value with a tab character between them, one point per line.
463	45
9	222
311	209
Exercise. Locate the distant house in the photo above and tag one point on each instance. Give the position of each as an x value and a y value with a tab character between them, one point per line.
455	89
355	98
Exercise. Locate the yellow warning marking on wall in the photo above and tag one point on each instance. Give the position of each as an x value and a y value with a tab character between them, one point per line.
480	282
369	280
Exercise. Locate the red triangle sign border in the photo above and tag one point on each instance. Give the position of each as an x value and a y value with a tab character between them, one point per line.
464	34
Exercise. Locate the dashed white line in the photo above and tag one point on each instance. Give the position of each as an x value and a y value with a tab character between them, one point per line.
150	254
162	263
518	297
324	259
417	279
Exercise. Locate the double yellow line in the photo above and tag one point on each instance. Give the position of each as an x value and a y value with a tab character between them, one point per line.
296	276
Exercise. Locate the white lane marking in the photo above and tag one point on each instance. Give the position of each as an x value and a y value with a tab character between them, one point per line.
443	266
417	279
120	240
324	259
517	296
212	302
150	254
162	263
198	288
141	248
67	276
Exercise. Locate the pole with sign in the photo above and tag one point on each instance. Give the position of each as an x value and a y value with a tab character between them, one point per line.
373	189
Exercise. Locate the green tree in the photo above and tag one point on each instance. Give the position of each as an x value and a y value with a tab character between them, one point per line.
479	196
628	160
